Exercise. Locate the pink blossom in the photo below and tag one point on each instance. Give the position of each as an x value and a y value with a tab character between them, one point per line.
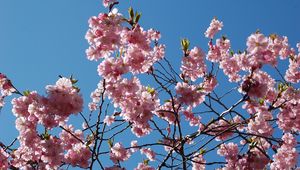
149	153
214	53
106	3
154	35
104	35
259	124
286	156
189	94
279	46
189	116
214	27
134	145
64	98
193	65
3	159
230	152
6	89
258	85
222	129
293	72
166	111
257	43
261	51
224	45
139	61
119	153
93	106
231	67
209	84
158	52
115	167
109	120
198	162
288	116
137	103
138	37
142	166
69	140
79	155
112	68
52	152
141	130
96	96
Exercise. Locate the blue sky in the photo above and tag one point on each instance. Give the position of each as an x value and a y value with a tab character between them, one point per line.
40	40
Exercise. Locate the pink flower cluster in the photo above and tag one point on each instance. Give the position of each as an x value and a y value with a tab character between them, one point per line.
293	72
119	153
260	125
143	166
62	100
190	95
106	3
78	155
134	53
6	88
289	115
193	65
104	35
253	160
260	50
166	111
286	156
198	162
109	120
126	50
3	159
136	102
222	129
220	52
265	50
230	152
258	84
189	116
214	27
96	96
47	150
149	153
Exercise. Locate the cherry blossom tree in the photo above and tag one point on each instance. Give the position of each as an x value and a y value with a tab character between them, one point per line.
184	113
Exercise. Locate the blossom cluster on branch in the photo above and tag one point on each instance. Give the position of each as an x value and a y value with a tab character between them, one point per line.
258	131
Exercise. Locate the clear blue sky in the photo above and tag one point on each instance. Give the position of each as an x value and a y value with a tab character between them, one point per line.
40	40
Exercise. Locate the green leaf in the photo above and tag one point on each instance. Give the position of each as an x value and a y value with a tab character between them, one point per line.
26	92
224	37
185	43
261	101
131	13
253	144
150	90
46	135
200	88
202	151
166	101
137	17
231	52
146	162
110	143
